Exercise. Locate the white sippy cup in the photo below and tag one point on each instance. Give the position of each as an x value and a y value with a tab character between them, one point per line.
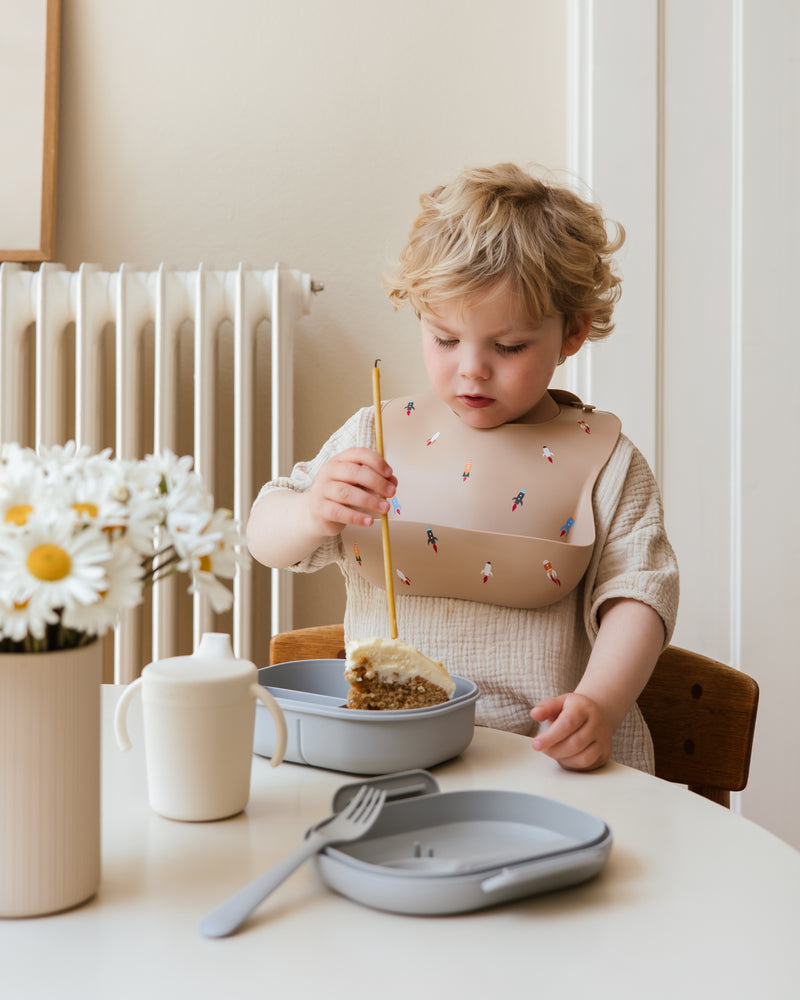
199	715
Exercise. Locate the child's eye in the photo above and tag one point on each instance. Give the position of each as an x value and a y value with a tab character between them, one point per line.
510	348
441	342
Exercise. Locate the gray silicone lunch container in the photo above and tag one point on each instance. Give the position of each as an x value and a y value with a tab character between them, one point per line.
324	733
433	852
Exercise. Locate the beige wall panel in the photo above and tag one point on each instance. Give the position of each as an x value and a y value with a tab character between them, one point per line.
302	131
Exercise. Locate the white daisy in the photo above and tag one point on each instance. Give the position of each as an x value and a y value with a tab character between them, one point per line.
208	585
50	560
78	533
172	472
18	619
122	589
121	498
21	485
207	549
191	532
67	460
208	544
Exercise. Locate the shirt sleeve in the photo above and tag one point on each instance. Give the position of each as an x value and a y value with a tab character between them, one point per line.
357	432
633	557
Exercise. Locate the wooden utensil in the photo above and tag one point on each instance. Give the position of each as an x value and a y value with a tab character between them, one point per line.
387	552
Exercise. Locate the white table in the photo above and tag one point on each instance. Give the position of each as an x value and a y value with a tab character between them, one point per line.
694	901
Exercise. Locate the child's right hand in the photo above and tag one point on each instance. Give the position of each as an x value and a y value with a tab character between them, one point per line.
353	487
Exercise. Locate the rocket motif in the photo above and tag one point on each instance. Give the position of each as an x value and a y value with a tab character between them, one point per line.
584	426
403	577
432	539
546	453
395	505
409	407
548	568
486	572
433	439
517	501
565	528
467	470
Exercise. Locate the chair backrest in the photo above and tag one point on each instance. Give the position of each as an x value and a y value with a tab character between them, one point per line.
322	642
702	716
701	713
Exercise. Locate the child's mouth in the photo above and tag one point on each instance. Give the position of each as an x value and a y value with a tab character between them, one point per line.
476	402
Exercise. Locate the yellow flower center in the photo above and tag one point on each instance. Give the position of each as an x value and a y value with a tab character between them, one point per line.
18	514
49	562
85	508
205	564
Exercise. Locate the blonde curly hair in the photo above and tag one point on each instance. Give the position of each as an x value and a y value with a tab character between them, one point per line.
501	223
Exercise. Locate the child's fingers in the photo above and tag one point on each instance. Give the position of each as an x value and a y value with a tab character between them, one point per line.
547	709
367	459
575	736
351	488
354	496
565	718
562	741
338	516
588	758
373	477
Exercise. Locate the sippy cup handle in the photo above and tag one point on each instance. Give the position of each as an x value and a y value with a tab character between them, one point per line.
274	709
121	715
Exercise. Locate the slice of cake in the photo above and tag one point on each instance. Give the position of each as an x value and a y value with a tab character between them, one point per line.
391	674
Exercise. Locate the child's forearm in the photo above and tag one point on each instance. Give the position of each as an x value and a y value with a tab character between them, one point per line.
629	641
280	530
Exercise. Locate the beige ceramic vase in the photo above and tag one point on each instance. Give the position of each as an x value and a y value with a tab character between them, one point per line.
49	779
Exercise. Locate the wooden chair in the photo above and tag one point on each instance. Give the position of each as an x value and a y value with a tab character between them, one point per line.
701	713
702	716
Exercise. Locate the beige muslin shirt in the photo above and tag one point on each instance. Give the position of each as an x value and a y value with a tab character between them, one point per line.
517	657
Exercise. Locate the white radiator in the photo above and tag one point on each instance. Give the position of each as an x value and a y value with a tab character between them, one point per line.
145	360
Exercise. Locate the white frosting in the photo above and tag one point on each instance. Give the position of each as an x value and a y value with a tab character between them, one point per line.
397	662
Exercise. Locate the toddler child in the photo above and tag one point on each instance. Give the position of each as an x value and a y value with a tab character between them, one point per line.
527	531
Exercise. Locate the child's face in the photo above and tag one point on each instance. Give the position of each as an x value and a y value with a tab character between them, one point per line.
490	363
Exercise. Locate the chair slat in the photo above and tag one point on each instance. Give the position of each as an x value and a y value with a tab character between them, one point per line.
321	642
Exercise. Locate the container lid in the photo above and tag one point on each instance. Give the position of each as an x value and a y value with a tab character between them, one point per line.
445	852
447	833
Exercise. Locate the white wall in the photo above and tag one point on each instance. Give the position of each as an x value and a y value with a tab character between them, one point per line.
301	131
700	159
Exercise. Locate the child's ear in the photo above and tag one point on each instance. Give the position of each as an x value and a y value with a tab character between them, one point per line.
575	337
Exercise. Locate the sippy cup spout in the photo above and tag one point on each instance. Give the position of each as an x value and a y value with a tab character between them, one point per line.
215	646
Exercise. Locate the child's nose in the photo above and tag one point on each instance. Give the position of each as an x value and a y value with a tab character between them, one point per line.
473	364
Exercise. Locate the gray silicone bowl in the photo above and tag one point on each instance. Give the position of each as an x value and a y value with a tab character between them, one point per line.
324	733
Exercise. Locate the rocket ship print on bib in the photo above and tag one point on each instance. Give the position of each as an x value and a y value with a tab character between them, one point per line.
548	568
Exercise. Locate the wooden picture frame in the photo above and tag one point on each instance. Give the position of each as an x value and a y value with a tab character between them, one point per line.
29	82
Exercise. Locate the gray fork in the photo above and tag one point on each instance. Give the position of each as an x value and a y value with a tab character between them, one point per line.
350	824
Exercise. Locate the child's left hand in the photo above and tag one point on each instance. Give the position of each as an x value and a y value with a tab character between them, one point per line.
578	735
